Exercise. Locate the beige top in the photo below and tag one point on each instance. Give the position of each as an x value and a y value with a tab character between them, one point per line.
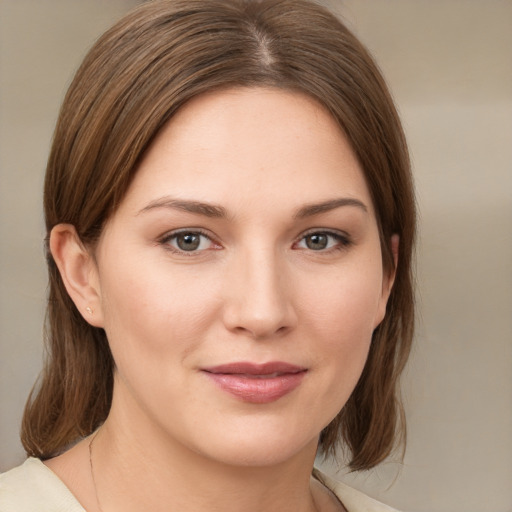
34	487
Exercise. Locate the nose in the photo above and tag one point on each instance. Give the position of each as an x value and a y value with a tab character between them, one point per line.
259	296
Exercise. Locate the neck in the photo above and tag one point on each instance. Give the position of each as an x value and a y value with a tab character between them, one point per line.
148	471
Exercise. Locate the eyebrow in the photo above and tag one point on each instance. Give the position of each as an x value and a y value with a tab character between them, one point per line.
197	207
219	212
316	208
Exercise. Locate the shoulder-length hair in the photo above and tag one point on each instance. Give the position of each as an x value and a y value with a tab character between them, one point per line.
131	83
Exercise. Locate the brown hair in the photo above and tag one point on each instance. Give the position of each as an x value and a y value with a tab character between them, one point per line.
133	80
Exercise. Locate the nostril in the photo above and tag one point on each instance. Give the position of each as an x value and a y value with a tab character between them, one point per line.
261	331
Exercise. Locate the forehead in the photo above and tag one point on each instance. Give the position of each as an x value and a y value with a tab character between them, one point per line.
251	144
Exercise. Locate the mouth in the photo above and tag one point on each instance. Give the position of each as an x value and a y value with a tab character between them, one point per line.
257	383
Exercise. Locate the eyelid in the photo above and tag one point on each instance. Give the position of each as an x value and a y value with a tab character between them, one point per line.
344	239
165	239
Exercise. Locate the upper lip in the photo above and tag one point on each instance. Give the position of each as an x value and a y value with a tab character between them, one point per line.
248	368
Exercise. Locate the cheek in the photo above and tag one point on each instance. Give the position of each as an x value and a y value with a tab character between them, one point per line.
347	302
151	313
342	317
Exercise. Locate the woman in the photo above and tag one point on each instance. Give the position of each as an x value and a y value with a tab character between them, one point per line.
230	224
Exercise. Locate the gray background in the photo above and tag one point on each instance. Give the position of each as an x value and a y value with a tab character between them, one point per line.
449	65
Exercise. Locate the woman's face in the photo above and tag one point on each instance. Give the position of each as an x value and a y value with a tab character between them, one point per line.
241	279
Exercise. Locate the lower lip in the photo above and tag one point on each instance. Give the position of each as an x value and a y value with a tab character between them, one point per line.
257	390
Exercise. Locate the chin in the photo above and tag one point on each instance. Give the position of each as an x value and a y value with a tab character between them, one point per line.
263	447
265	454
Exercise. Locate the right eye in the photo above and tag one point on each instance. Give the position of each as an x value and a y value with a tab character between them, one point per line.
189	242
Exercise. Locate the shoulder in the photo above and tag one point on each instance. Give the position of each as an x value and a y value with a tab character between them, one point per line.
32	486
352	499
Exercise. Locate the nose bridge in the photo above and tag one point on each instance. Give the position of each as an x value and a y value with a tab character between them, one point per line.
260	299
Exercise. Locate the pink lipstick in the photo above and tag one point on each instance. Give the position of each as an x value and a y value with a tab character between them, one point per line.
257	383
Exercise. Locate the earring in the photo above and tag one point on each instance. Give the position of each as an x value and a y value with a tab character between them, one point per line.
89	310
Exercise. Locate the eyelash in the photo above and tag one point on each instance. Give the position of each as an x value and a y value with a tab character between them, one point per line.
168	238
342	241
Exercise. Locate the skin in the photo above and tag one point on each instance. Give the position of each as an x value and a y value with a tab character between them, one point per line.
259	287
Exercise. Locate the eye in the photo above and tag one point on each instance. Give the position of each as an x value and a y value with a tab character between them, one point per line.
189	241
323	241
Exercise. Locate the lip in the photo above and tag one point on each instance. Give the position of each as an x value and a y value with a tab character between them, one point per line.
257	383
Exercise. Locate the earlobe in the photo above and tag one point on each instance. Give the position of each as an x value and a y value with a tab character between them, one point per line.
78	271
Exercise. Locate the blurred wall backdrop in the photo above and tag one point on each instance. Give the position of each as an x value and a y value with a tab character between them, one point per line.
449	65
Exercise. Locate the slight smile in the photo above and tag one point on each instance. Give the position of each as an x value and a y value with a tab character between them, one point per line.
257	383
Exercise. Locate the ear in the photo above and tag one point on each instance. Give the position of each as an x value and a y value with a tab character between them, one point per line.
388	280
79	272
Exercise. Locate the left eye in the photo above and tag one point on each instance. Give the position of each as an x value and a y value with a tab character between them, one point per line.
321	241
189	241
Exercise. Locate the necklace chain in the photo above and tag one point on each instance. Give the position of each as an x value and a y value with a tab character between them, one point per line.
92	471
94	480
